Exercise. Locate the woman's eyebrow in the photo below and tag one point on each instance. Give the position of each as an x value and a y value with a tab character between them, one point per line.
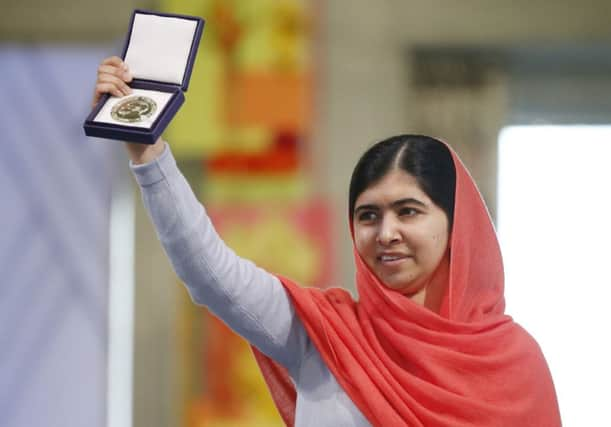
395	204
407	201
366	207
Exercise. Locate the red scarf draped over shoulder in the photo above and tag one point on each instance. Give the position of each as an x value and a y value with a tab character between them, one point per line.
405	365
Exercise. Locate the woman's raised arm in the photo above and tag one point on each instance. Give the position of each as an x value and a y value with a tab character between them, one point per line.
250	300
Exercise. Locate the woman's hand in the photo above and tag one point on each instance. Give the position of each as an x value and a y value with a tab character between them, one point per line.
113	78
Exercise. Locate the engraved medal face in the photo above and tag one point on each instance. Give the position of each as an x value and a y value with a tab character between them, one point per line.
133	109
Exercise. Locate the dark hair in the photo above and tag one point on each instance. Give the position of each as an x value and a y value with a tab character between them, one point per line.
423	157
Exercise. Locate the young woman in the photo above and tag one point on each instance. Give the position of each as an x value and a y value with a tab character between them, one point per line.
426	344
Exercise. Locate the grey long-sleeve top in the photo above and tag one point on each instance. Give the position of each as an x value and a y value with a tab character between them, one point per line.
250	300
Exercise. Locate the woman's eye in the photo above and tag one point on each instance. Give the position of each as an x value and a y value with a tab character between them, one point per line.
367	216
408	212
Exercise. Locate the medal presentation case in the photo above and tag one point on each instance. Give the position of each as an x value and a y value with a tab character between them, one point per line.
160	51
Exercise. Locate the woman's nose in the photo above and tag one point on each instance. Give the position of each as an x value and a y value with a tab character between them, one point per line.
388	233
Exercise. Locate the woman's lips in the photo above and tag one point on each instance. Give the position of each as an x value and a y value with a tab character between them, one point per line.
392	259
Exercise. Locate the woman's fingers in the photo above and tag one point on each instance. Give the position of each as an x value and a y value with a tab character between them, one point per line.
116	81
112	60
113	74
121	72
102	88
105	86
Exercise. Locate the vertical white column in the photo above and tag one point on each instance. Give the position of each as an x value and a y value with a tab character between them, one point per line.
121	307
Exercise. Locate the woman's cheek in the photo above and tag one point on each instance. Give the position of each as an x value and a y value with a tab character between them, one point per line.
365	242
359	240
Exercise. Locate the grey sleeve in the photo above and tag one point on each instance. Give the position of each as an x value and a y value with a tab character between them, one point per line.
248	299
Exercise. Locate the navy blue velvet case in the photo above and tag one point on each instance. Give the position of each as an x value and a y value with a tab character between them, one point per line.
147	135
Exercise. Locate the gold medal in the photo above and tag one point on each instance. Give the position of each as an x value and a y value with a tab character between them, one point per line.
133	109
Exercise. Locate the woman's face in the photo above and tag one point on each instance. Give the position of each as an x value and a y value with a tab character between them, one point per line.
399	232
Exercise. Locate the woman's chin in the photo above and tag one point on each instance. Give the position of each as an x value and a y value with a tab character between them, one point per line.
405	285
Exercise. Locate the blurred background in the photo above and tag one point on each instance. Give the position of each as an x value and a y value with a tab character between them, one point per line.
95	328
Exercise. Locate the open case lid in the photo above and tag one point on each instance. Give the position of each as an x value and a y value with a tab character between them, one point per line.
162	47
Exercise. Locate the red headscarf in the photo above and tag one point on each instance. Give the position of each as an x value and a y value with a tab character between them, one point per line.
403	364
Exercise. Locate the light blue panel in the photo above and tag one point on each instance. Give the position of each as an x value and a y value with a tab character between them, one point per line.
55	190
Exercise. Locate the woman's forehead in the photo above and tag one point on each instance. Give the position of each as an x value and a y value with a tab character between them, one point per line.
396	184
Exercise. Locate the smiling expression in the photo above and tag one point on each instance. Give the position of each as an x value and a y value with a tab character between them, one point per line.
400	233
